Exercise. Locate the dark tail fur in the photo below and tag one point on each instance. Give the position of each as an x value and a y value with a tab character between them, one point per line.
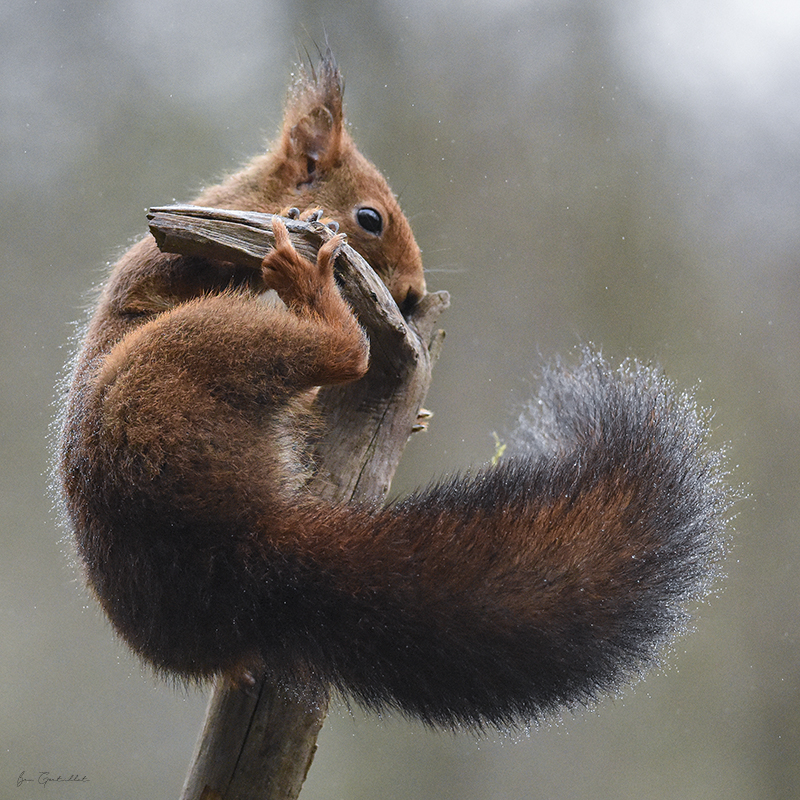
489	598
558	575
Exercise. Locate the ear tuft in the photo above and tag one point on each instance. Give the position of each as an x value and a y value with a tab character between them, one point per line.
313	119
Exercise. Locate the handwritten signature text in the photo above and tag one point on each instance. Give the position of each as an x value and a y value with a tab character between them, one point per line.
46	778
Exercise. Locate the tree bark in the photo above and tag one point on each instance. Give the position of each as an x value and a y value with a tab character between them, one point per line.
257	742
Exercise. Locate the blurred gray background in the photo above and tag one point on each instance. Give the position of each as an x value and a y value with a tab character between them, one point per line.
625	172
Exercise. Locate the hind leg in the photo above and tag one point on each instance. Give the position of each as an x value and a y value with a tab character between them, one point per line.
304	286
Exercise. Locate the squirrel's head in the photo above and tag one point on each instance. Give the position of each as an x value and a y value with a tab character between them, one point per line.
316	163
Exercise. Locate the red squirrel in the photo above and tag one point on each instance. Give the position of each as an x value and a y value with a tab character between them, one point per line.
490	598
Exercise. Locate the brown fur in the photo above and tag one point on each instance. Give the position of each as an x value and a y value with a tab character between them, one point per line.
490	598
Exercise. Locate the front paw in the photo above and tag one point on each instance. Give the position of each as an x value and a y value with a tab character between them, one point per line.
311	214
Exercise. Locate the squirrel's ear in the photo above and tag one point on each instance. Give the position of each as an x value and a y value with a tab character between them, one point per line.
313	123
314	141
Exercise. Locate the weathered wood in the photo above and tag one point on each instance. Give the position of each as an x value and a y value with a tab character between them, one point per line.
258	742
241	236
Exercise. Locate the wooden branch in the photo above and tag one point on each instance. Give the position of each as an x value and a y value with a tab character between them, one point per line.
258	742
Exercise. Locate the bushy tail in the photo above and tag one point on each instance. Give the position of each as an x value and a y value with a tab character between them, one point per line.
490	598
500	596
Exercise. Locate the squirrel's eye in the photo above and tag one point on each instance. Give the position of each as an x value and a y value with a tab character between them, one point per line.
370	220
